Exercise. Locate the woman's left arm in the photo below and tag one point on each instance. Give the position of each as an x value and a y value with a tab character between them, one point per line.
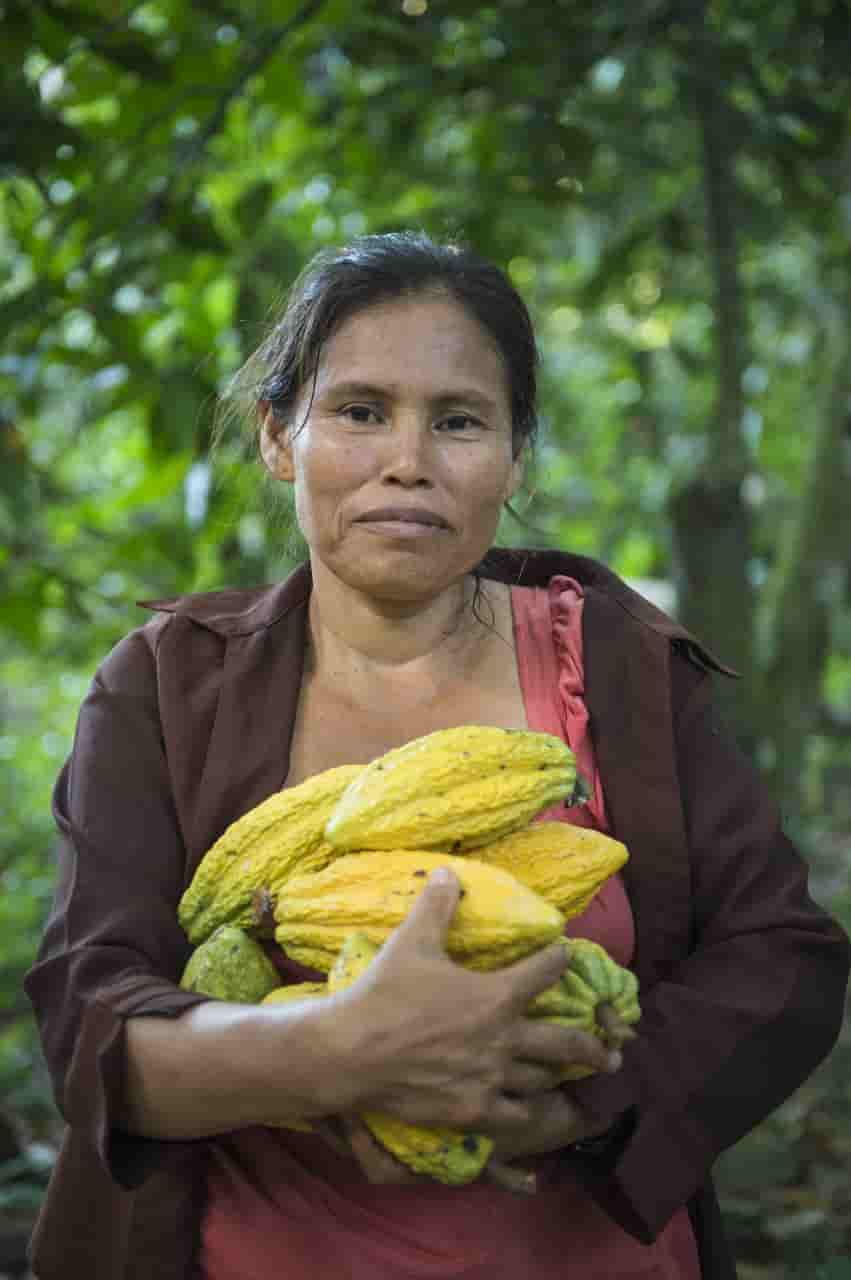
748	1014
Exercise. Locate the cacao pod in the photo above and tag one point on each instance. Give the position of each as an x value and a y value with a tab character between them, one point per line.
452	790
256	854
497	920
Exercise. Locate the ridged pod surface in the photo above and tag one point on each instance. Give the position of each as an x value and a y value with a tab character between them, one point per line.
230	966
611	982
497	920
453	790
565	864
592	978
256	854
443	1154
566	1006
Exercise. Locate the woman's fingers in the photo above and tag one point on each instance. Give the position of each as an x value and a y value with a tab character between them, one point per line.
429	918
617	1031
380	1168
428	921
512	1178
540	1041
378	1165
530	1077
528	978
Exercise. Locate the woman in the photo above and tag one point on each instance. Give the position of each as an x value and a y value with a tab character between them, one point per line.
396	396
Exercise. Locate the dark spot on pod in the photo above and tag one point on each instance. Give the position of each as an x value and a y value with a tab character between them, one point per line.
263	911
463	893
470	1143
419	873
456	845
379	766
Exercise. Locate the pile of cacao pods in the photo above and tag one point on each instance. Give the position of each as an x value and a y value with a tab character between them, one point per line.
331	867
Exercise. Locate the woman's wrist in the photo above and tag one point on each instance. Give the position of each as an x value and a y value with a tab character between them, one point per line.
225	1066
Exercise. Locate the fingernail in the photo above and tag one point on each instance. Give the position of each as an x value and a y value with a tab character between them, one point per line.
614	1060
441	876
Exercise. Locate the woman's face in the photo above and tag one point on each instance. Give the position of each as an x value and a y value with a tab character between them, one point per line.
401	461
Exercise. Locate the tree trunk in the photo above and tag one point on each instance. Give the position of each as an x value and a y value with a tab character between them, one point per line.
711	523
809	579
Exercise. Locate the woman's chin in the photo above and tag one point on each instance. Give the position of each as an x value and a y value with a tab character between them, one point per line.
405	579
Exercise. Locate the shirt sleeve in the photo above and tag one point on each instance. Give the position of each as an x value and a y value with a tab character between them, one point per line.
112	947
748	1014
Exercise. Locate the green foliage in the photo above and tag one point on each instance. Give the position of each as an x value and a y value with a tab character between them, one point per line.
667	185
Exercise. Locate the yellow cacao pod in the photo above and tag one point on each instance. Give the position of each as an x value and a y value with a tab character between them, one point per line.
452	790
257	853
443	1154
498	920
295	991
564	863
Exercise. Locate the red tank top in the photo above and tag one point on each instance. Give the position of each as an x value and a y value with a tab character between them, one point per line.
284	1204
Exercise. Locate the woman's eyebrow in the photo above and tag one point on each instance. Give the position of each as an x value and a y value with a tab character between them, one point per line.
364	390
371	391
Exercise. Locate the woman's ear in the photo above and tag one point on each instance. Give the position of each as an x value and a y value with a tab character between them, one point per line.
274	447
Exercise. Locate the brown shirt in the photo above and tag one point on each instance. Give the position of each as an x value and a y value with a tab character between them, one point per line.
188	725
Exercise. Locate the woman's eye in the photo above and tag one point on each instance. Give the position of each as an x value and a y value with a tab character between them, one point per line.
360	413
460	422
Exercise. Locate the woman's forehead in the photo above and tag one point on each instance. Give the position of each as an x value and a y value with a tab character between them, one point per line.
431	338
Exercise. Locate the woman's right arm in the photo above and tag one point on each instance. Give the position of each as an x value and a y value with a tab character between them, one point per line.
461	1054
224	1066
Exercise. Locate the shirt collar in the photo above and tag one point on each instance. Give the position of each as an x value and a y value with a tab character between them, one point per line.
240	611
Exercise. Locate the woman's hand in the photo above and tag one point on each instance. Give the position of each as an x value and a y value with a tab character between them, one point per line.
350	1137
554	1122
378	1166
436	1044
615	1031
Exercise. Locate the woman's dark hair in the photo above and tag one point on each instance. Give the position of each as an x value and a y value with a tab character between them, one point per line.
337	283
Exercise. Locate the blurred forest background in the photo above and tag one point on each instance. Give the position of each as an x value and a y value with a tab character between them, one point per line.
668	182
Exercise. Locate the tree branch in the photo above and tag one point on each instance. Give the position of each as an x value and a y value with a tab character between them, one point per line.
718	147
189	153
712	526
130	53
795	623
269	41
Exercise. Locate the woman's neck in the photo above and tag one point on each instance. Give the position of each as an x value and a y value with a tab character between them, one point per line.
357	643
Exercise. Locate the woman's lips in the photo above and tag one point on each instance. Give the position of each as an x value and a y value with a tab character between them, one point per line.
402	528
403	515
403	522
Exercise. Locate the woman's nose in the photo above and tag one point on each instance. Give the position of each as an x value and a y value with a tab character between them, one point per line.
409	455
